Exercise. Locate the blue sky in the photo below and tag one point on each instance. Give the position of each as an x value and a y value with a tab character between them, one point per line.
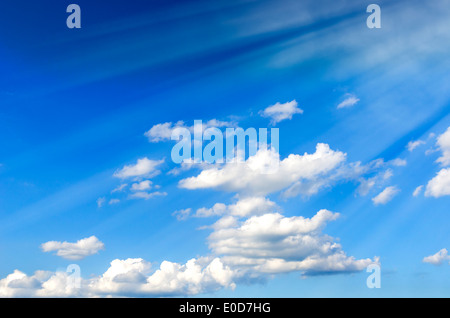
77	109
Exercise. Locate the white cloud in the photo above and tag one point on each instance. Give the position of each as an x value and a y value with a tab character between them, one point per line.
100	202
243	208
440	185
141	186
163	132
366	185
280	112
271	243
74	251
113	201
119	188
398	162
41	284
182	214
130	277
350	101
146	195
386	195
251	176
443	142
418	190
438	258
144	167
414	144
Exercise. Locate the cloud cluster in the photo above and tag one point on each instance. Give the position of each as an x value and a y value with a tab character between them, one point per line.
254	239
130	277
271	243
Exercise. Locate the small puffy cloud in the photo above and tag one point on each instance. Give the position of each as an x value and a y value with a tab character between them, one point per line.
144	167
418	191
74	251
244	207
163	132
251	177
414	144
386	195
280	112
100	202
398	162
141	186
350	101
182	214
438	258
146	195
443	142
440	185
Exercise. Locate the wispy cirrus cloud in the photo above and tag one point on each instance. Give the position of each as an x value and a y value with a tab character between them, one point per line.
386	195
350	101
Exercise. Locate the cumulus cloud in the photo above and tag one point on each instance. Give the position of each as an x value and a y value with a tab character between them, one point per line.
144	167
438	258
280	112
171	279
443	142
350	101
440	185
386	195
129	277
41	284
251	177
271	243
74	251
